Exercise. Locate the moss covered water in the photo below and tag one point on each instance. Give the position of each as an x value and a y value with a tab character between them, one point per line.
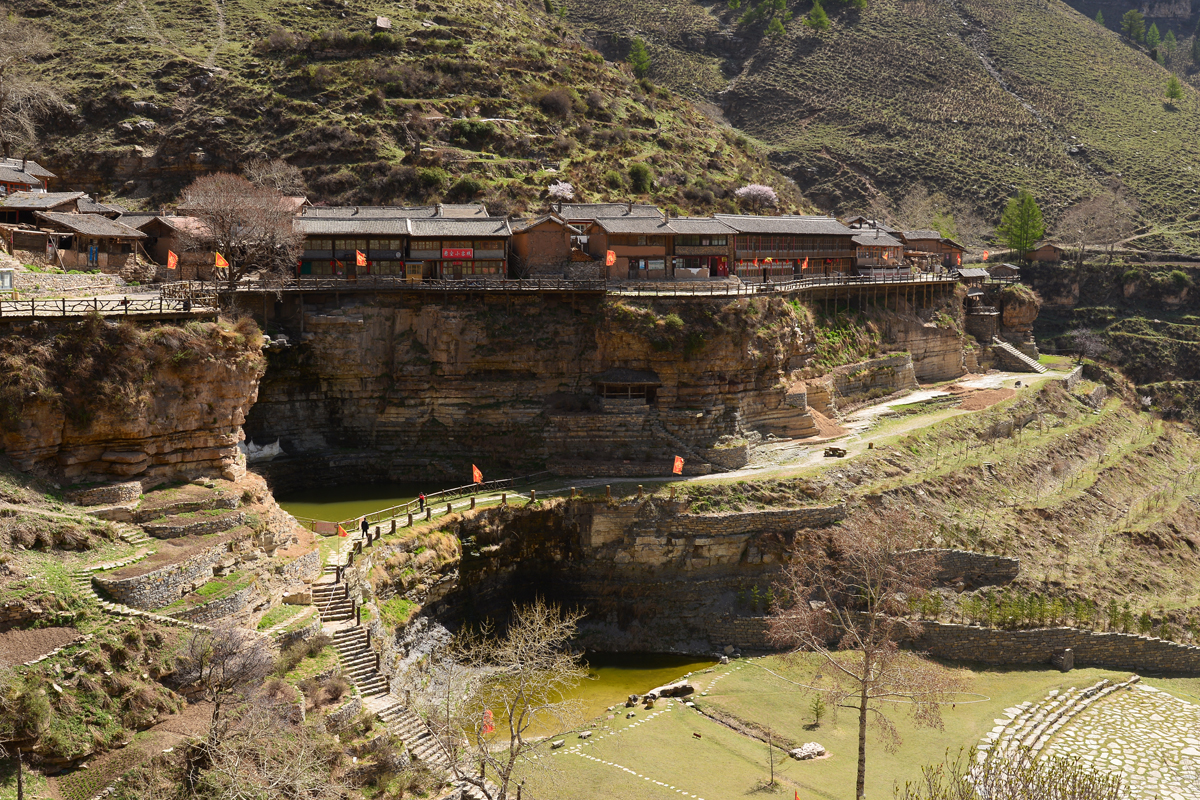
337	503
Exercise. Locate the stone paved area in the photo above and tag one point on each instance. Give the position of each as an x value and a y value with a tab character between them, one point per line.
1151	737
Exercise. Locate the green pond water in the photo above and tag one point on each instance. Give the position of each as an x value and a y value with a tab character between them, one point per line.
337	503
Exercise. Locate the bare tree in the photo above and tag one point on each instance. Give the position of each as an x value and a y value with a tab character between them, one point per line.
1104	220
527	674
1017	776
275	174
25	97
1087	343
846	596
225	664
250	226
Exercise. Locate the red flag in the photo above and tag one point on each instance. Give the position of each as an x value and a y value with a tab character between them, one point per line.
756	262
360	258
221	262
678	465
805	266
797	794
172	260
610	258
476	475
960	259
342	531
488	727
985	255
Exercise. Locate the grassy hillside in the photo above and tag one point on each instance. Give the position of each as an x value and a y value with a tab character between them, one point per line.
501	99
975	98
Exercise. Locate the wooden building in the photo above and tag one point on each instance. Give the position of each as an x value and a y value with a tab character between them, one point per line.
22	208
331	246
876	249
1046	252
582	214
623	384
166	234
931	244
87	205
88	241
1005	271
700	248
783	247
543	246
453	248
23	175
641	246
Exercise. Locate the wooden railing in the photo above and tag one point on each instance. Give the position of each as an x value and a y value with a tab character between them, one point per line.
83	306
799	284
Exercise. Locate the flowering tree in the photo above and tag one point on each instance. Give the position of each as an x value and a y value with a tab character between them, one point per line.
561	190
757	196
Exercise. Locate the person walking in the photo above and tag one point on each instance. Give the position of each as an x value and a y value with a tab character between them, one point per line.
421	500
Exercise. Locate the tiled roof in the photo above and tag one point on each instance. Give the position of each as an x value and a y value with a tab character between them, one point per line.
450	226
628	376
605	210
524	225
922	235
136	219
87	205
462	210
804	226
363	226
28	167
91	225
699	225
874	238
10	175
447	210
640	225
973	272
36	201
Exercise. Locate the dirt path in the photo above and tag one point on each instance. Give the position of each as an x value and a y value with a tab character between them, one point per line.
21	646
211	61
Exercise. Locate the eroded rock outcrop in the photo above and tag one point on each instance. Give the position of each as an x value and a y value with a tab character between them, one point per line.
95	400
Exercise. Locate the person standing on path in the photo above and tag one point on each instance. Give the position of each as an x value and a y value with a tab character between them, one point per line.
421	500
364	526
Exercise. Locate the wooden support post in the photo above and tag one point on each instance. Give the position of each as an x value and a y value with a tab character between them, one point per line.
428	512
608	492
409	522
572	492
449	507
532	495
504	498
672	492
394	523
357	615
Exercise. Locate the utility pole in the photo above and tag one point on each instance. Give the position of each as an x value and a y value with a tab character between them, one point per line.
20	777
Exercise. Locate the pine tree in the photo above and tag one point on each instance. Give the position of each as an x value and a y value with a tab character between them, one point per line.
1174	90
1170	42
1021	224
1133	25
1100	18
1196	50
775	28
1152	37
817	19
639	58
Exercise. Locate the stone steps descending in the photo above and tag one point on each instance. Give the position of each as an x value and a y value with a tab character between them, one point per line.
358	661
1014	357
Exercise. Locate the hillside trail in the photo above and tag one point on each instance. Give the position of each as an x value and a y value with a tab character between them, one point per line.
211	61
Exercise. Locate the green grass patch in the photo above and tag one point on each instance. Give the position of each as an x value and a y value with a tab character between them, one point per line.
278	615
397	611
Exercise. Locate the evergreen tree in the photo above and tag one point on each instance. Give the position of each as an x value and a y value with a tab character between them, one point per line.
775	28
639	58
1133	25
1196	49
817	19
1021	224
1152	37
1174	90
1100	18
1170	42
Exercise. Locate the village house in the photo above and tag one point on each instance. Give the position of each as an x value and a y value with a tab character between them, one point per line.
1005	272
23	175
931	245
460	248
544	246
700	248
784	247
876	249
331	246
166	234
640	246
1046	252
88	241
22	208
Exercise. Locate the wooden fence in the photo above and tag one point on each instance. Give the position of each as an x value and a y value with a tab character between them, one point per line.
111	307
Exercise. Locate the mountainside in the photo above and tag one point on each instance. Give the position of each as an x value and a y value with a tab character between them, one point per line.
458	100
975	98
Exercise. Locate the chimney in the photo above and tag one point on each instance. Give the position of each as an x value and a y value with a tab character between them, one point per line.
355	212
441	210
629	207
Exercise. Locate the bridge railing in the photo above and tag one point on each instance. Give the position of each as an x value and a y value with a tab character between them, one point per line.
108	307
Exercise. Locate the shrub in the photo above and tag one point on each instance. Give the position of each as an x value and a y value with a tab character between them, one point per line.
640	177
556	102
433	177
614	179
466	187
472	131
1180	278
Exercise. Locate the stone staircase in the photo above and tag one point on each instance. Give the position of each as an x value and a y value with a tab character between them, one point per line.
1032	725
333	602
1014	358
358	661
424	746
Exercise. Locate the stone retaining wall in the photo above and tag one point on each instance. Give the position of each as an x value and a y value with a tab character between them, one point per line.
218	609
744	633
1091	648
972	569
19	614
337	720
306	566
1072	378
166	585
108	495
881	376
24	283
200	527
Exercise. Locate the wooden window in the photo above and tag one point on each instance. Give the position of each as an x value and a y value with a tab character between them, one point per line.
427	244
455	244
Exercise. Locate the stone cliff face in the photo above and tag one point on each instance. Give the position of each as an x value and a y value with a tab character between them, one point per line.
650	575
96	400
418	386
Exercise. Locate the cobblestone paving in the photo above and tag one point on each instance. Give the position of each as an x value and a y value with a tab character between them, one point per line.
1152	738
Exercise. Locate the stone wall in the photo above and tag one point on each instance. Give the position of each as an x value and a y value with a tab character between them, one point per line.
19	614
1091	648
35	283
306	567
164	586
878	377
219	609
346	714
108	495
1073	378
173	529
972	570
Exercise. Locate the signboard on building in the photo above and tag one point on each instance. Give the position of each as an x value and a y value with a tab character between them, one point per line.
458	252
6	280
